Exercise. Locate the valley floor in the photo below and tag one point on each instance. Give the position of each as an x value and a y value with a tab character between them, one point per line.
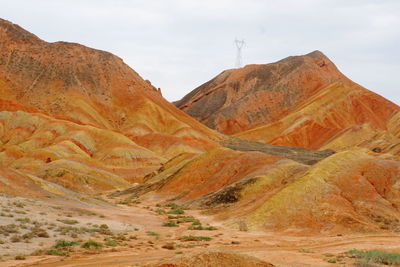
136	236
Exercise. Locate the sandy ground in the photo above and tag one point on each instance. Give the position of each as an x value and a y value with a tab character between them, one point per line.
139	220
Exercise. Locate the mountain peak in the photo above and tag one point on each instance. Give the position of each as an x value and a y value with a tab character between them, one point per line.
80	83
14	33
316	54
241	99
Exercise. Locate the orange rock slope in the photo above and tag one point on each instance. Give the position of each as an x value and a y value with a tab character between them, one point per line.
241	99
92	87
355	189
337	117
299	101
351	191
82	118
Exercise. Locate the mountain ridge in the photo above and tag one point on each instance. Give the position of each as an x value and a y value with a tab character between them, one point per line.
241	99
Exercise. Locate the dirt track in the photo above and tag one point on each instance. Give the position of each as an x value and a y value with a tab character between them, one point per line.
276	248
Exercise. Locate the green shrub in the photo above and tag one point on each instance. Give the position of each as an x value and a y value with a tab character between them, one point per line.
209	228
156	235
64	244
186	219
178	210
111	243
175	217
19	204
92	244
170	224
195	238
173	205
57	252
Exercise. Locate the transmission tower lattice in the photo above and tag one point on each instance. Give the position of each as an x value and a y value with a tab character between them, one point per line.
239	45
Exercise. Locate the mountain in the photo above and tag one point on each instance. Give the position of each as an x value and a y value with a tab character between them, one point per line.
241	99
75	120
92	87
82	118
299	101
280	109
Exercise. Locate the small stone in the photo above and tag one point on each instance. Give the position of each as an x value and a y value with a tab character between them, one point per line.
170	246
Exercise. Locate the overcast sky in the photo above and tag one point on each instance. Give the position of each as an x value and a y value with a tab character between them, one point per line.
180	44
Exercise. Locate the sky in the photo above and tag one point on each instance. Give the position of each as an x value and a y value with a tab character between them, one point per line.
181	44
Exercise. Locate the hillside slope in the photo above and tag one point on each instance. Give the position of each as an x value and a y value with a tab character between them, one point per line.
302	101
93	87
337	117
83	119
241	99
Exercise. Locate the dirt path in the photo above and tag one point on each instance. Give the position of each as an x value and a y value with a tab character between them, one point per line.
278	249
299	251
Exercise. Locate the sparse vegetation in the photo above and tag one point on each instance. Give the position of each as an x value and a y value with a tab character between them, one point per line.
178	210
175	209
23	220
196	222
160	211
111	243
8	229
18	204
156	235
209	228
68	221
92	244
375	256
173	205
186	219
65	244
20	257
170	224
57	252
195	238
302	250
16	238
104	229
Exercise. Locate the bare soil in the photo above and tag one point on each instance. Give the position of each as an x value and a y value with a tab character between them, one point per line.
140	237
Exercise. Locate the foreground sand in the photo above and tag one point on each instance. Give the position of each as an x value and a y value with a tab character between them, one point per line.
141	219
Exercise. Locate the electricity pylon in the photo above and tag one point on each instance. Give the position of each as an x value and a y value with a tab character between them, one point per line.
239	45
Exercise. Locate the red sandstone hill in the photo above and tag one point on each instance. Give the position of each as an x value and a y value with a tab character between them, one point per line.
302	102
92	87
241	99
298	101
82	118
